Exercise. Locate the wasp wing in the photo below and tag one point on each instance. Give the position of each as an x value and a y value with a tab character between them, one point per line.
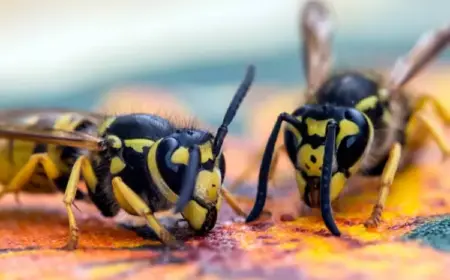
19	116
51	136
317	29
428	47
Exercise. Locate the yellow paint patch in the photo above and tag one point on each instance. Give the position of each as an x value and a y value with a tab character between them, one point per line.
102	272
116	165
305	154
138	144
367	103
347	128
316	127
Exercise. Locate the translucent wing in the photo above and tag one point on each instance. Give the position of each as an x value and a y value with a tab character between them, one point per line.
16	116
317	29
51	136
428	47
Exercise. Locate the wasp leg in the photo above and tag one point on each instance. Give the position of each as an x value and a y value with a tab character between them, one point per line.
81	166
229	198
251	167
387	177
436	134
423	101
24	175
143	210
430	124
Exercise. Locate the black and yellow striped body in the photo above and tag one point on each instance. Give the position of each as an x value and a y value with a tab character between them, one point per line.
352	122
386	124
139	155
145	149
140	163
14	154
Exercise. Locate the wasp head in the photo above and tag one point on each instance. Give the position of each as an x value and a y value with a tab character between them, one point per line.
191	164
327	146
352	138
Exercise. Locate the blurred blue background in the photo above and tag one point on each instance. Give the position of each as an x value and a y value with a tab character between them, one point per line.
69	54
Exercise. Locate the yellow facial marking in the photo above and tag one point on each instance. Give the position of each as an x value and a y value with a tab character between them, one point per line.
104	125
316	127
337	185
180	156
114	141
206	152
208	184
138	144
311	160
347	128
116	165
195	214
367	103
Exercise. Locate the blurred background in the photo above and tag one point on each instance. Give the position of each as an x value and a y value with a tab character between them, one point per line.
190	54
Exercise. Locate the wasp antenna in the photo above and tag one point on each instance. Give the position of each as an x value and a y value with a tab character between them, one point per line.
232	109
325	180
265	166
189	180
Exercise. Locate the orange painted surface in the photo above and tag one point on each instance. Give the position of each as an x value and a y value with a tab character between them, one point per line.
285	246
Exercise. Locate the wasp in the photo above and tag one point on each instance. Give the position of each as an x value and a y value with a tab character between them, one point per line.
140	163
351	122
